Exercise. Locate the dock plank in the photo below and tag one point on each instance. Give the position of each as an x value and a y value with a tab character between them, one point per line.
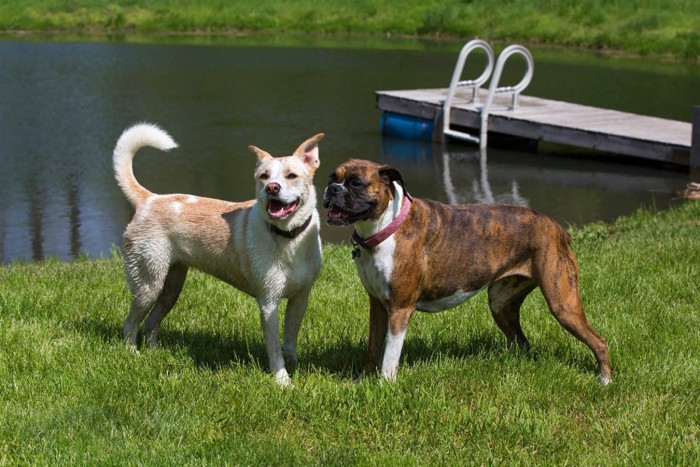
556	121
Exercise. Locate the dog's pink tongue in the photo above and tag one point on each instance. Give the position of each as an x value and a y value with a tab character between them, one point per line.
335	213
278	209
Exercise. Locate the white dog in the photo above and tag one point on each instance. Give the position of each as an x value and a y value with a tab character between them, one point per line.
269	247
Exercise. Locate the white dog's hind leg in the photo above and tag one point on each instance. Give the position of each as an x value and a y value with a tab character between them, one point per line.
141	302
146	278
166	300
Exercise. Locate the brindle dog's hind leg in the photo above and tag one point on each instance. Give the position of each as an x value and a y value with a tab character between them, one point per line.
505	298
564	302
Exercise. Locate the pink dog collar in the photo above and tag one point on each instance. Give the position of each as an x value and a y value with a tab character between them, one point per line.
386	232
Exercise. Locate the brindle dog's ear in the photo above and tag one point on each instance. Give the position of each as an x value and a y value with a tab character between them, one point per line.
388	174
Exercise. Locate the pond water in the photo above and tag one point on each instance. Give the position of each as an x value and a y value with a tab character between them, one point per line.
63	104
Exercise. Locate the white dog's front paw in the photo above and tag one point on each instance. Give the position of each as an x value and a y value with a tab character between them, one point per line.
132	348
283	379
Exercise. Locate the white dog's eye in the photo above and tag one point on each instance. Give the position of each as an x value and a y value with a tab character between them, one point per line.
264	176
291	176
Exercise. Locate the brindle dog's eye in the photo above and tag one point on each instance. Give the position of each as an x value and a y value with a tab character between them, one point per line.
357	183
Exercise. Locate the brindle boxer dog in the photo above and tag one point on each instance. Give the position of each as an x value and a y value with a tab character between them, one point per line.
419	254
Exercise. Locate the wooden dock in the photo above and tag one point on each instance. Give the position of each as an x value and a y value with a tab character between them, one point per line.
553	121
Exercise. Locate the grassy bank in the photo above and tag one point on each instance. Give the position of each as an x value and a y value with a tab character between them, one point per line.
665	27
71	394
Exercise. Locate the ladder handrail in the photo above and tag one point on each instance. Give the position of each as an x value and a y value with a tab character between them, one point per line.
475	84
493	87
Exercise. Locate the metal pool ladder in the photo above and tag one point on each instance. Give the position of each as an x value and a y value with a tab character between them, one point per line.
475	85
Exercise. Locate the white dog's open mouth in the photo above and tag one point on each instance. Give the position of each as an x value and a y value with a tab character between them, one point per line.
279	210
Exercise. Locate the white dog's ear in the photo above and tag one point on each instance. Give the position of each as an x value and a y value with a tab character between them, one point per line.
262	155
308	152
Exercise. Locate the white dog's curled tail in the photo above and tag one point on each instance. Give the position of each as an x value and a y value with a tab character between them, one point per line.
133	139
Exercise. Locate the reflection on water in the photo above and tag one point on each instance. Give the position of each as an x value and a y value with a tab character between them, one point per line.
571	190
481	187
64	104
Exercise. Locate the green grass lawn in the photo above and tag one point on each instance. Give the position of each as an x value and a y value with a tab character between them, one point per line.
72	394
663	27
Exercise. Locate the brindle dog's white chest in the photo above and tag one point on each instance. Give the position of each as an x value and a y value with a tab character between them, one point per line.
375	269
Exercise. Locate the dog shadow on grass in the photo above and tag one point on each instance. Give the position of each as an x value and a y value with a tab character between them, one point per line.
343	359
346	359
209	350
493	347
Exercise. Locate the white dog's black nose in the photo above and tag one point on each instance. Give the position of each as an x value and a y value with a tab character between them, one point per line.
272	188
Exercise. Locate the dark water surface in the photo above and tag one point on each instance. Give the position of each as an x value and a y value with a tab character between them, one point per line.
64	104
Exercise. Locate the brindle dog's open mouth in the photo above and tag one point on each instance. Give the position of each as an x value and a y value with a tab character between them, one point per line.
339	216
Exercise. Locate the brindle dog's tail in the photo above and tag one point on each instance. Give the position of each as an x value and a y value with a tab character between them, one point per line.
565	235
